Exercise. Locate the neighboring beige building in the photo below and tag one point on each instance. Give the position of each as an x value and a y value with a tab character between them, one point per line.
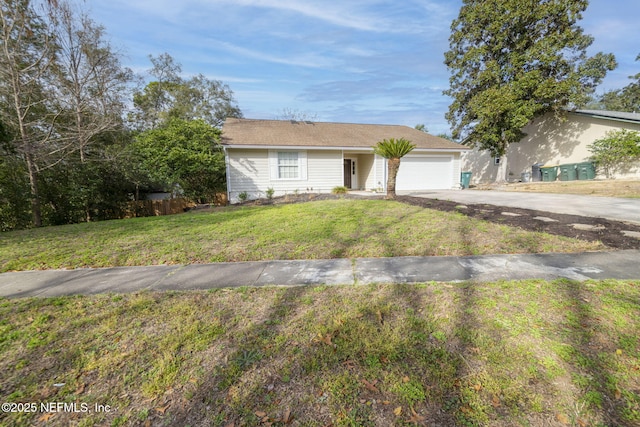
552	142
291	156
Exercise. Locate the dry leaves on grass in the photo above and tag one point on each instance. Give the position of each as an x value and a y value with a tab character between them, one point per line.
562	418
287	417
371	386
415	418
46	416
495	401
163	409
325	339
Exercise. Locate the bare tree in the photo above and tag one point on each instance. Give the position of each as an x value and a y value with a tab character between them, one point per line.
27	53
93	85
297	115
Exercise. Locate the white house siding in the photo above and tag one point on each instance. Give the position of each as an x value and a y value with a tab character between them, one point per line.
548	141
380	173
249	172
455	179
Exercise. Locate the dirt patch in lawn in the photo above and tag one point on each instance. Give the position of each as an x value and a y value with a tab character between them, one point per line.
614	234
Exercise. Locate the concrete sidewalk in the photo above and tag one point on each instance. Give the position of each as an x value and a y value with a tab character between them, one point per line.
582	266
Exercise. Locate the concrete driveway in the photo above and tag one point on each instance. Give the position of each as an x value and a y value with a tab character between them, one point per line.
614	208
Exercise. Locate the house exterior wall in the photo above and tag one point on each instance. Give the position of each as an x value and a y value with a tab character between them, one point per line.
365	171
248	170
380	173
549	141
455	179
251	171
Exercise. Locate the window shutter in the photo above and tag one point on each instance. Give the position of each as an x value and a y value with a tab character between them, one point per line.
273	164
302	164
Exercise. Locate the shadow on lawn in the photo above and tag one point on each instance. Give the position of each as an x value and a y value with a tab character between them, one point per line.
594	360
354	355
359	363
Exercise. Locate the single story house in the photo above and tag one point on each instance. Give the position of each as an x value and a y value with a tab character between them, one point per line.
551	142
291	156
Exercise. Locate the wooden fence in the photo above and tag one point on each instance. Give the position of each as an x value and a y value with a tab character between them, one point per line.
159	207
168	206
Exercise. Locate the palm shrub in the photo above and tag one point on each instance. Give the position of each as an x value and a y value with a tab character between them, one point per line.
393	150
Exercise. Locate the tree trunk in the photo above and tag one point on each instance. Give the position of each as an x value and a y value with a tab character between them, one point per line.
501	175
35	194
392	166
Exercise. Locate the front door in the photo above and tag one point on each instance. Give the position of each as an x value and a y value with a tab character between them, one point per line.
347	173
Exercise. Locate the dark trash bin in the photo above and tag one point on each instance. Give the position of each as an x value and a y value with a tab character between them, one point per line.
568	172
586	170
549	173
465	179
536	172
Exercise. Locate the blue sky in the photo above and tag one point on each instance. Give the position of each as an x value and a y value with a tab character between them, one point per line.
362	61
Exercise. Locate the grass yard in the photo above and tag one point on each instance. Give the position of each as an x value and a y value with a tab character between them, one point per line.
315	230
530	353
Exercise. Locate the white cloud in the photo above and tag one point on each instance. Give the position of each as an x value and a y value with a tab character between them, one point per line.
309	60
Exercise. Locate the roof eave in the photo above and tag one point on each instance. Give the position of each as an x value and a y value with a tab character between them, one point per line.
605	117
324	147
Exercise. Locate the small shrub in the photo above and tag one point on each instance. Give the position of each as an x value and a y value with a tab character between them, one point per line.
269	193
617	151
339	190
243	196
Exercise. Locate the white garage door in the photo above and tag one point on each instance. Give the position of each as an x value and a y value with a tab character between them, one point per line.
425	173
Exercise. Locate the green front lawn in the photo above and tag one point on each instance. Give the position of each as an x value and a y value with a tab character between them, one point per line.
527	353
314	230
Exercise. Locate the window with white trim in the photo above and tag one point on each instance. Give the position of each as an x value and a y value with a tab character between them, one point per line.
288	165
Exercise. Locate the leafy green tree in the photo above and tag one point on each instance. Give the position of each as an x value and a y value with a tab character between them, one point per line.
617	151
446	136
186	154
625	99
15	209
514	60
14	186
393	150
170	96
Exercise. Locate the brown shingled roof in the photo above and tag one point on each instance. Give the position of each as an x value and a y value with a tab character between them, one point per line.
283	133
